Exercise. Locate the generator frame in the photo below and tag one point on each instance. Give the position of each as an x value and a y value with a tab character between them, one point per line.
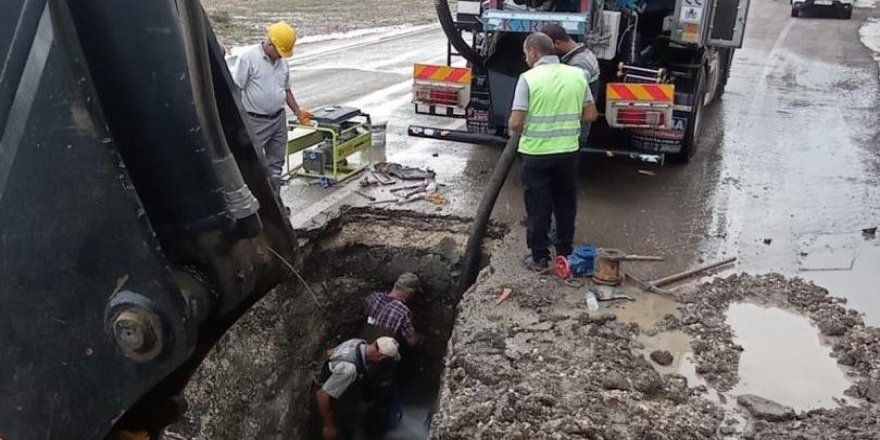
341	150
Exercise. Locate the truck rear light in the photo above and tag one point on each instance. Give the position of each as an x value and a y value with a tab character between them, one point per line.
631	105
436	95
645	118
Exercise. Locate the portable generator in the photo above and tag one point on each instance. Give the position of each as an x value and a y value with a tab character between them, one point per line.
335	145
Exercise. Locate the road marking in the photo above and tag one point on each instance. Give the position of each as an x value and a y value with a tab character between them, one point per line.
380	39
760	91
732	218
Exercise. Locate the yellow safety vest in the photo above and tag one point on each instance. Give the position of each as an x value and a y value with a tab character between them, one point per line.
556	101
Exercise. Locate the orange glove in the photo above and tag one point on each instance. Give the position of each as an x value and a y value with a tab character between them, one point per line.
305	118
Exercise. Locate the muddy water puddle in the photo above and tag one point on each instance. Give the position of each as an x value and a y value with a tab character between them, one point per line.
648	310
413	425
784	359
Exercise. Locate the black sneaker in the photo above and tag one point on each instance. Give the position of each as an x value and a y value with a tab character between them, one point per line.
540	266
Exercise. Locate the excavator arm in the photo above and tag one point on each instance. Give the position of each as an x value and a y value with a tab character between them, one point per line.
137	223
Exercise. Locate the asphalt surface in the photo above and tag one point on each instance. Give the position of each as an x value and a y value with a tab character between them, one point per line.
785	177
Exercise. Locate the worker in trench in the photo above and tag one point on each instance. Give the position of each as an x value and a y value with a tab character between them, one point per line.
572	53
342	382
550	102
263	75
388	315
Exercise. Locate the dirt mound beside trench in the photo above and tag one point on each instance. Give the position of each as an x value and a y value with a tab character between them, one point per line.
854	345
539	366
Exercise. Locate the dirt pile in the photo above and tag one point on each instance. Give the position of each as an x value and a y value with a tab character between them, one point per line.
539	366
854	345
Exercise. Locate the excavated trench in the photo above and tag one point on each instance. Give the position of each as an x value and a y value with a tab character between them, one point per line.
257	383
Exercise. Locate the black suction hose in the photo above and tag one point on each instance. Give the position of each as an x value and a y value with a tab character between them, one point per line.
474	249
454	36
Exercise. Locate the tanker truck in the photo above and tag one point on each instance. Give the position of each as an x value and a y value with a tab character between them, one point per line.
662	63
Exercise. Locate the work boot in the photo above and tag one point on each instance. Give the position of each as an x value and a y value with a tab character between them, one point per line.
540	266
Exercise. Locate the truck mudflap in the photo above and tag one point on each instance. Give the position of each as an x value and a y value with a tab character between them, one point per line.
456	135
441	90
661	141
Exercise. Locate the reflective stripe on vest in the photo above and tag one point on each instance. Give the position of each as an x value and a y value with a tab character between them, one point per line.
556	101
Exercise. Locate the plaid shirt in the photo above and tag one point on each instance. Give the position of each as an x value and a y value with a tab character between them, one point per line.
389	314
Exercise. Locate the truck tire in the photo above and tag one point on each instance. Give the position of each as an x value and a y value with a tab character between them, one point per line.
727	61
692	131
847	14
795	12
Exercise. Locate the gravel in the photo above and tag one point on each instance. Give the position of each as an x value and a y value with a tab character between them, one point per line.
662	357
542	367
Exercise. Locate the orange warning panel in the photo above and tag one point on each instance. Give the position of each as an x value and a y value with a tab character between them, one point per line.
640	92
446	74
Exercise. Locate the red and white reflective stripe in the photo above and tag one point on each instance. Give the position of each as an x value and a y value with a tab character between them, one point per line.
445	74
640	92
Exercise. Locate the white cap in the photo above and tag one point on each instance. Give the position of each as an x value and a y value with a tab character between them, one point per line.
388	347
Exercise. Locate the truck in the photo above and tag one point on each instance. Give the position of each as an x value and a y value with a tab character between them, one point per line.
662	62
840	8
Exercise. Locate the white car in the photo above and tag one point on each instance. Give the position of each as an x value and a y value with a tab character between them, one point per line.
841	8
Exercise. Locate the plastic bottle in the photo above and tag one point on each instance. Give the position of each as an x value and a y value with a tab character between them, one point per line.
592	301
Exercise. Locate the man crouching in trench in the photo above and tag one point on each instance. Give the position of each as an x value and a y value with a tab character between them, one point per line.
340	397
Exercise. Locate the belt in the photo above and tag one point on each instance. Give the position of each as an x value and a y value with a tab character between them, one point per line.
272	116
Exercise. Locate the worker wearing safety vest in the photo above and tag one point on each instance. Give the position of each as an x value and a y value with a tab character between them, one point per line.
550	102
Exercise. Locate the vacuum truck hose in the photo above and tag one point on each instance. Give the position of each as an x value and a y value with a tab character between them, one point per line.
474	250
454	36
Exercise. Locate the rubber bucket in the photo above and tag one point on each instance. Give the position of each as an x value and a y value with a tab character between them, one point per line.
378	133
581	261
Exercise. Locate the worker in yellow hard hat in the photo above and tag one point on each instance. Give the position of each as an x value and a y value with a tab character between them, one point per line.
263	75
282	38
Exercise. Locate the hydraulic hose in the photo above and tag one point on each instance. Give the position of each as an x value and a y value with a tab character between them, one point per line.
240	202
453	35
474	250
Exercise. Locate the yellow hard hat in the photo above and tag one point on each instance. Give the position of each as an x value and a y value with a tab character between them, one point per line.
283	37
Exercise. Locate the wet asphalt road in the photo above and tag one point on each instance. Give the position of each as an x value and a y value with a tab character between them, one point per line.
785	177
